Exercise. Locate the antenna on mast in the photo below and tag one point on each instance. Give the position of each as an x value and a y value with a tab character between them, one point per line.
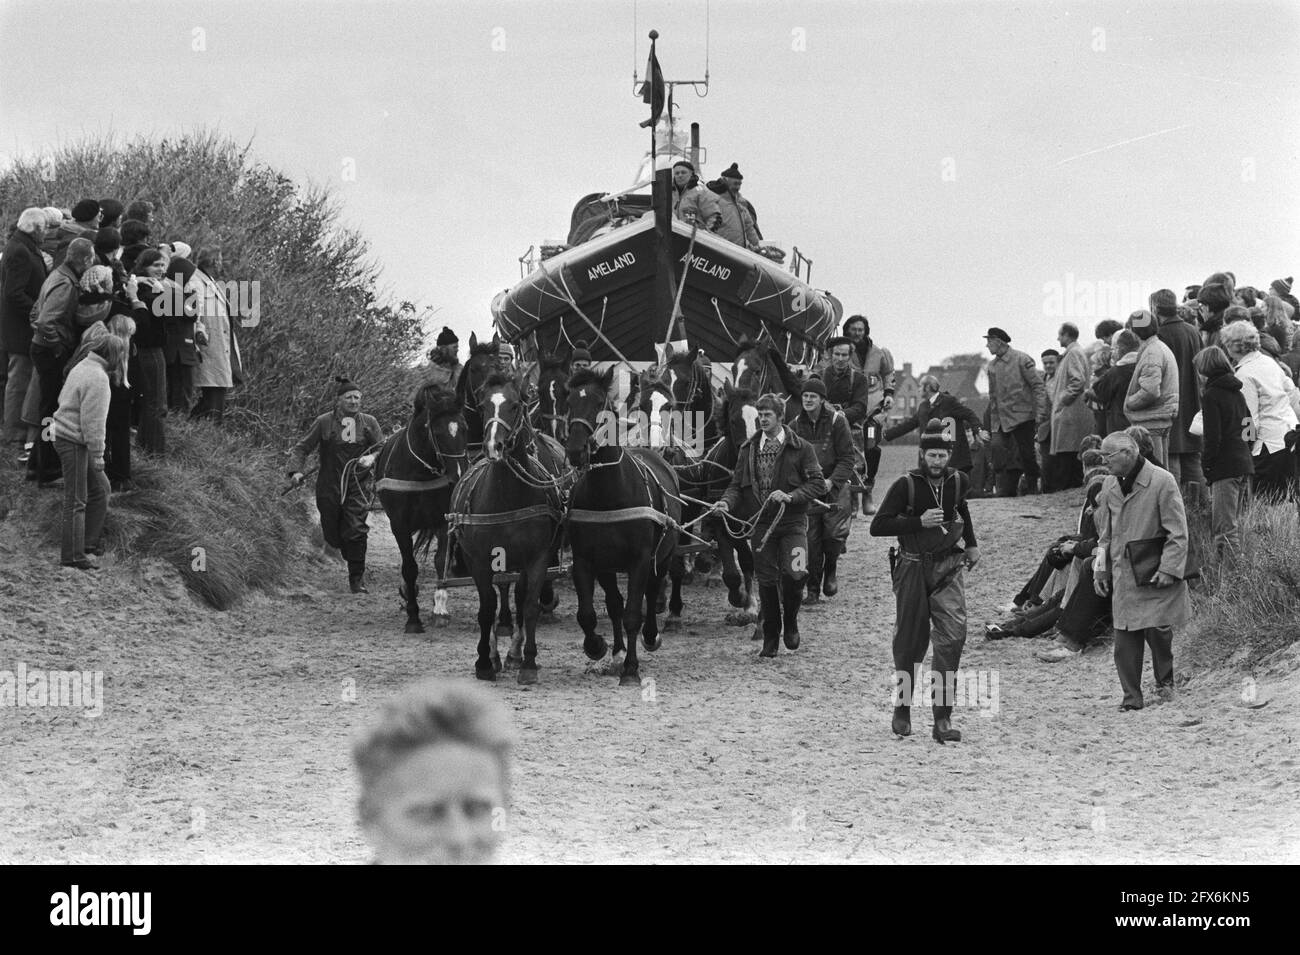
696	85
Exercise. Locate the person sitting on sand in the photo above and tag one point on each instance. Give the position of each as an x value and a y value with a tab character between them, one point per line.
435	776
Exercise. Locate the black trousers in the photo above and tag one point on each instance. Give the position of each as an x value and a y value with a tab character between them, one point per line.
43	460
1023	436
1086	614
117	436
180	387
1275	475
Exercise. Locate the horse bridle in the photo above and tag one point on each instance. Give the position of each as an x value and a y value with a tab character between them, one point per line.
512	431
442	455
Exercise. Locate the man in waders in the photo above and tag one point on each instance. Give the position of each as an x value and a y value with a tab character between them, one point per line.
776	477
827	430
926	509
343	436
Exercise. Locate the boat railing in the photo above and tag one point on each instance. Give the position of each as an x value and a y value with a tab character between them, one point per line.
800	265
528	262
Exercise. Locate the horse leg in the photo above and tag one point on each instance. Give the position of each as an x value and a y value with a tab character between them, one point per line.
584	586
410	589
549	599
731	574
531	611
441	614
505	619
634	613
517	638
746	557
676	572
614	605
650	638
485	667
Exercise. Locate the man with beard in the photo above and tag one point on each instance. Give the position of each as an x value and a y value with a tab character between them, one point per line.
444	361
877	364
926	509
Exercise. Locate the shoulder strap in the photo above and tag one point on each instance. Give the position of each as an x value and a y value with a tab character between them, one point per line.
911	495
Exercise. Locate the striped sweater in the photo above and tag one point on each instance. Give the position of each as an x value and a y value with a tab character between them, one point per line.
83	406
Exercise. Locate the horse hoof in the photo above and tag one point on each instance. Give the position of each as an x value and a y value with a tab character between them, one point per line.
496	663
414	626
513	662
758	633
595	648
485	674
688	578
735	597
441	619
629	679
652	647
527	675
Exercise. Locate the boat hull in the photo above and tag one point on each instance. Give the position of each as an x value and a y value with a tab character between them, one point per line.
729	294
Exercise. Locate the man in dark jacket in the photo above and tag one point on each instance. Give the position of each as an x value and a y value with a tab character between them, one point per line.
1226	453
926	509
956	417
22	273
56	332
776	477
1109	389
343	436
1184	341
182	339
848	390
827	430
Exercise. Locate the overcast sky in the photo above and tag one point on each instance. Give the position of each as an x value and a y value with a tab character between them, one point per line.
943	164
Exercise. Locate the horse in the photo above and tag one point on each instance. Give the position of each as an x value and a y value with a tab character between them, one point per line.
415	472
762	369
548	415
625	514
484	360
507	512
691	390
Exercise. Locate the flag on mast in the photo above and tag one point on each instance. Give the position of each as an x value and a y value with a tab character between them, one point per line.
652	90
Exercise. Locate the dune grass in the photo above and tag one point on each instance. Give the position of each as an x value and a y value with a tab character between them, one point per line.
211	509
1246	609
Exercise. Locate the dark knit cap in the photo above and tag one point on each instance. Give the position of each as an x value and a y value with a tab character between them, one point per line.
1050	351
580	352
447	337
999	334
112	210
181	270
1164	302
731	172
933	438
344	386
815	385
1282	286
133	231
107	241
85	210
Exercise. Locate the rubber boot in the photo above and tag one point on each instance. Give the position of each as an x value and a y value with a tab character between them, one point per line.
868	508
943	731
813	584
791	598
902	723
830	583
355	553
769	598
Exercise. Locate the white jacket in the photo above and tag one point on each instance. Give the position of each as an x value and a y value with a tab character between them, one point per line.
1271	398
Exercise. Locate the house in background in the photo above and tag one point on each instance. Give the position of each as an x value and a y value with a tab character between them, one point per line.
907	395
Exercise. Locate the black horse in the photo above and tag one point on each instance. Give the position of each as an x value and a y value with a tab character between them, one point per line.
762	369
484	360
624	517
507	512
415	471
552	406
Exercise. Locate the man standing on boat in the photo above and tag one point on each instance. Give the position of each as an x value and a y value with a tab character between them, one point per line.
737	221
776	477
691	201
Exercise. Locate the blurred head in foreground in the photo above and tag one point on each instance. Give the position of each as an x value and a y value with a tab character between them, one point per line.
435	772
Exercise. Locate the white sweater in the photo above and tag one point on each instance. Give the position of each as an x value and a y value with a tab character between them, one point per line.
1267	391
82	416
